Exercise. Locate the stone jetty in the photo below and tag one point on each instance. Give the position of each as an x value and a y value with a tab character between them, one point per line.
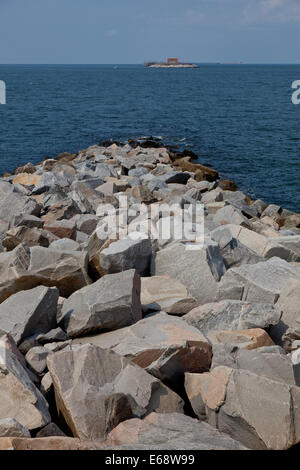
145	304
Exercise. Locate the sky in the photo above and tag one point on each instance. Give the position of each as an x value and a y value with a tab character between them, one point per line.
134	31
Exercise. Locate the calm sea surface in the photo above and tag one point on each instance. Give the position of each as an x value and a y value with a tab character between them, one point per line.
239	119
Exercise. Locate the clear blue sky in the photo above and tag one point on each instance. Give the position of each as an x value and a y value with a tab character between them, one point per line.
132	31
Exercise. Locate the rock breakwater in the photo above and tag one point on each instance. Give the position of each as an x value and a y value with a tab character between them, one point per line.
145	304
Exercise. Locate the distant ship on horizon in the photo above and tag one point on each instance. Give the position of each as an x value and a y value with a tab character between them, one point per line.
171	63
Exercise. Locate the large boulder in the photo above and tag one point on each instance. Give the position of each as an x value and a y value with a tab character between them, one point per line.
169	432
270	361
233	315
162	293
165	346
67	270
110	303
259	282
288	329
25	268
233	251
128	253
96	389
29	312
238	403
14	203
199	270
20	399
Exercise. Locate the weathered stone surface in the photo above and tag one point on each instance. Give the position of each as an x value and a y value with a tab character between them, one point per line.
14	204
29	312
162	293
20	399
65	244
10	427
233	315
270	361
95	389
230	215
110	303
47	443
37	358
128	253
287	248
199	270
31	236
50	180
245	339
288	329
64	269
46	384
87	223
165	346
169	432
260	282
233	251
27	179
245	410
62	228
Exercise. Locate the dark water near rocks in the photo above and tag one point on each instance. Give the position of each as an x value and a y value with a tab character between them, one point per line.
239	119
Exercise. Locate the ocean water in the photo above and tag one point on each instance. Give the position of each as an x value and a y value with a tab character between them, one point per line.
238	118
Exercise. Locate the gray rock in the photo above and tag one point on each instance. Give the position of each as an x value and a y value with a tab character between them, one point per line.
87	223
50	430
128	253
46	384
50	180
164	345
270	361
27	220
178	177
65	244
67	270
233	315
233	251
162	293
110	303
287	248
37	358
238	403
259	282
96	389
230	215
199	270
29	312
288	329
14	204
20	399
169	432
10	427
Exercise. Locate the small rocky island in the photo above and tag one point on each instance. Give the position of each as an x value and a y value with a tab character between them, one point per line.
171	63
140	342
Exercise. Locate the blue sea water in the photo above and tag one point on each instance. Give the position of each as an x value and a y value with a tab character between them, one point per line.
238	118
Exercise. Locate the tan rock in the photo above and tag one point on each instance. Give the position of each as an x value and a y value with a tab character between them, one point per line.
47	443
244	339
27	179
162	293
210	386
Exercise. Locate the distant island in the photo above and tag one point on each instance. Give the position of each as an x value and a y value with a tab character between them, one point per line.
171	63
